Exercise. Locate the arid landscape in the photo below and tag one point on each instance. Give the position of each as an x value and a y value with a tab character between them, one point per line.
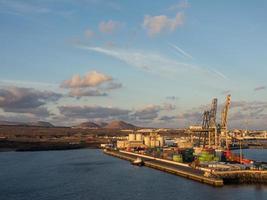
46	136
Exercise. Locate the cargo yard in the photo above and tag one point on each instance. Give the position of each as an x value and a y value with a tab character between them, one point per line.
204	154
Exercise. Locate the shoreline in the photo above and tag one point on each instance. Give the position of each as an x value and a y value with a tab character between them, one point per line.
44	146
63	149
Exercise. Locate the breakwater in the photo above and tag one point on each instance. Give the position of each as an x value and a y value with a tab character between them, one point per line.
242	176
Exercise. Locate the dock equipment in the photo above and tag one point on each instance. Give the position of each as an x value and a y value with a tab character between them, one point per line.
211	133
209	126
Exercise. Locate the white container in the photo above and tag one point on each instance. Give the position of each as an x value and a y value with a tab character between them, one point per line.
139	137
147	141
131	137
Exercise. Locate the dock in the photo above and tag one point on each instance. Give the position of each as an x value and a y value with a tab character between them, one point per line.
181	169
242	176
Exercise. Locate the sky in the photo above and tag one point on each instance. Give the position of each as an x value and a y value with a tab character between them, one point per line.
150	63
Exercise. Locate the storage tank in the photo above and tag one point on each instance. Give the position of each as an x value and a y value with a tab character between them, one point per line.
147	141
152	143
139	137
157	143
131	137
161	141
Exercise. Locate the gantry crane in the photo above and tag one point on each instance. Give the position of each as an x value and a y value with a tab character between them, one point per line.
203	132
209	128
216	133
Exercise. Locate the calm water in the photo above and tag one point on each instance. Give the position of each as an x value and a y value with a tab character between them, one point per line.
89	174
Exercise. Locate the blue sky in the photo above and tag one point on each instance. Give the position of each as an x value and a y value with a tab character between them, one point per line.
164	60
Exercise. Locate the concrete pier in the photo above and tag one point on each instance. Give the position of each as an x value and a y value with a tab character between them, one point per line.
179	169
242	176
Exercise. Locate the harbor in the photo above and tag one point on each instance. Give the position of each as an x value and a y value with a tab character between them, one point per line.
133	100
78	174
207	153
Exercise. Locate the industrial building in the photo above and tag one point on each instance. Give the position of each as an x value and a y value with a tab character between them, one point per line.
138	140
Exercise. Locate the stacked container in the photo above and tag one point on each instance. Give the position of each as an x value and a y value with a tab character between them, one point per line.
177	158
188	155
208	155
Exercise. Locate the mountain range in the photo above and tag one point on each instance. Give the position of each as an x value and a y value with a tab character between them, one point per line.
37	123
111	125
85	125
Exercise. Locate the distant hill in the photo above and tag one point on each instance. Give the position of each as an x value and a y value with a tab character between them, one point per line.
89	125
85	125
111	125
41	123
38	123
119	125
8	123
102	124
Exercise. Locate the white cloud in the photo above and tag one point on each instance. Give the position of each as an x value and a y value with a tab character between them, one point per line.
26	100
181	51
91	79
109	26
92	84
143	60
157	24
155	62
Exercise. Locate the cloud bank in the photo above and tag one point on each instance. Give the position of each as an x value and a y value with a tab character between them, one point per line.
93	112
26	100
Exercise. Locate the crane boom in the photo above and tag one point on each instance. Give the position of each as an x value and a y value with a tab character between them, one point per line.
225	111
213	112
224	118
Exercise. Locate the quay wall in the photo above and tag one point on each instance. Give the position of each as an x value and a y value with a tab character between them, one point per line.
180	170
